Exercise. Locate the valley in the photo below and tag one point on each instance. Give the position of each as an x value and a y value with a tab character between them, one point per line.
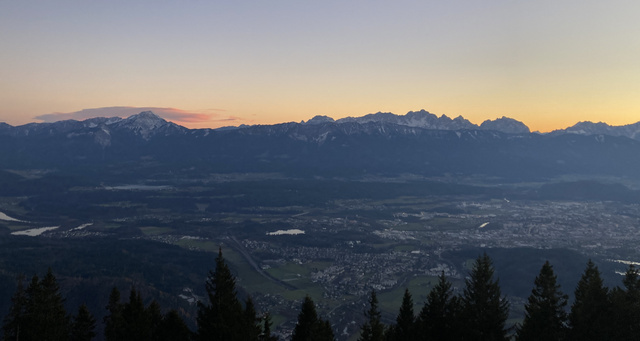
332	239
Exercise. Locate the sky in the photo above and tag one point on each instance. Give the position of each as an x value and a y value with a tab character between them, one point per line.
549	64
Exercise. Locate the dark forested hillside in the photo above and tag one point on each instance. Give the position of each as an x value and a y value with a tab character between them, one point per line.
327	149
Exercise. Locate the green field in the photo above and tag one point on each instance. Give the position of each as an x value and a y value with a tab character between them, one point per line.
154	230
419	288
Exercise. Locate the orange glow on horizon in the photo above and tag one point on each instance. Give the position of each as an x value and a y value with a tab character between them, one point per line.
536	118
544	124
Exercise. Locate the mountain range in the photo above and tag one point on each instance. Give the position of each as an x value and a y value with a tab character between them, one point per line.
381	144
424	119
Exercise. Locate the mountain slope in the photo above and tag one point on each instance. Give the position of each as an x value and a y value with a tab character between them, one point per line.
426	120
589	128
380	144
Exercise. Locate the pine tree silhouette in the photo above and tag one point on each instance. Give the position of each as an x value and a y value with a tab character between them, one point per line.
545	315
83	325
222	318
439	317
485	311
373	329
590	316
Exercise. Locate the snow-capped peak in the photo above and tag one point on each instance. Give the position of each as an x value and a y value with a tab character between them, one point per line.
145	119
144	123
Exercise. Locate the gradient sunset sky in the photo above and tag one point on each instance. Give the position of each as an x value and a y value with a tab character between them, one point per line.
210	63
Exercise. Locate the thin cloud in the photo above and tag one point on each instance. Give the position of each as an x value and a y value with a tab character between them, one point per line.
171	114
228	119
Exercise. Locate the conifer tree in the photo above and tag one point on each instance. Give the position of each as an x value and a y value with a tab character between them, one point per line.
45	314
307	318
83	325
373	329
266	331
14	322
154	318
222	318
438	319
485	311
322	331
33	309
626	307
252	330
390	333
137	322
590	314
405	321
545	315
173	328
309	326
114	329
38	312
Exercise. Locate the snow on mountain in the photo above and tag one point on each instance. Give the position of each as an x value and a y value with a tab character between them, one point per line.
426	120
143	123
589	128
144	120
383	143
505	125
96	122
418	119
147	124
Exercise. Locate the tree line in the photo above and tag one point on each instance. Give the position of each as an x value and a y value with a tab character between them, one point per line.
480	312
37	312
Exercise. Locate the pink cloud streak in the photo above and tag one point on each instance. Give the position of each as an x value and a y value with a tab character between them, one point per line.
171	114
